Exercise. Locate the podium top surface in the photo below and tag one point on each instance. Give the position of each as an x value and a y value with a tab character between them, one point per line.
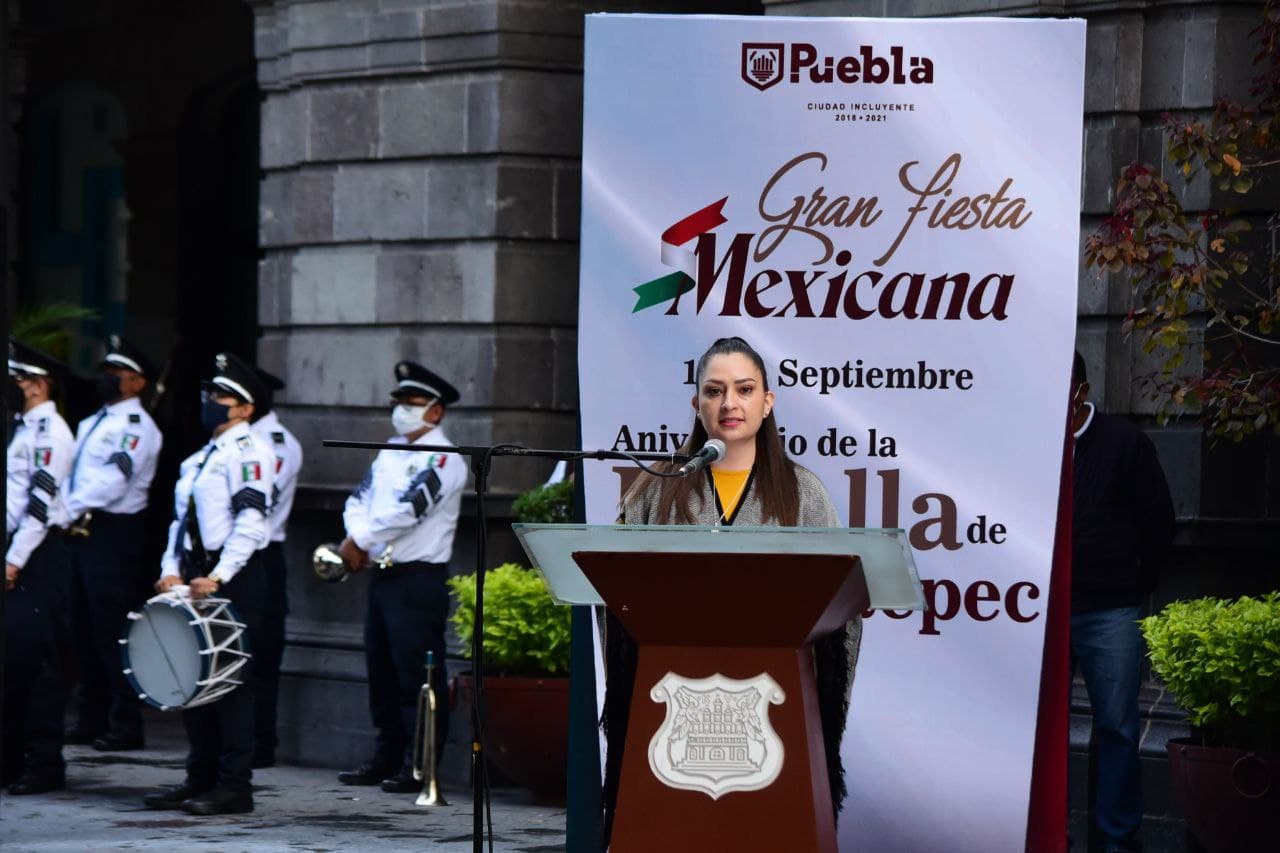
887	561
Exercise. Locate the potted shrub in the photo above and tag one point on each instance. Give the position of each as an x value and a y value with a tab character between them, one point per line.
526	648
526	652
1221	661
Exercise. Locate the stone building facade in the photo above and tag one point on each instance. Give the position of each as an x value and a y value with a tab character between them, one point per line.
331	185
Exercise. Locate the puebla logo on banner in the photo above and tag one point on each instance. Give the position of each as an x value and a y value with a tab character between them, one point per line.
764	64
894	227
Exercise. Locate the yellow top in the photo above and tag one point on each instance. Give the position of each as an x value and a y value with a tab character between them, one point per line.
729	488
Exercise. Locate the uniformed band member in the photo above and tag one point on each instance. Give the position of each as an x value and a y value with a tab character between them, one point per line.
269	649
36	577
221	507
103	508
405	513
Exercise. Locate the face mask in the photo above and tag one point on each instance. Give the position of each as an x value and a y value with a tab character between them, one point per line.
407	419
213	414
108	387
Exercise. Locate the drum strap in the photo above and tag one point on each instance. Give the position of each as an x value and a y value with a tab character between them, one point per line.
190	527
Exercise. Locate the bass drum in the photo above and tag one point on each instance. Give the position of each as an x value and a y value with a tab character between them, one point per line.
180	652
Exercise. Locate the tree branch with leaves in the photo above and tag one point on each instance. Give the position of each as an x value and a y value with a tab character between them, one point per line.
1196	288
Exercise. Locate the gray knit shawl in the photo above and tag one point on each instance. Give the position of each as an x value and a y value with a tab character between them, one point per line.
815	506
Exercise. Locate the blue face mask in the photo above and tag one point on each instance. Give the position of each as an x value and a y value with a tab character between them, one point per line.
213	414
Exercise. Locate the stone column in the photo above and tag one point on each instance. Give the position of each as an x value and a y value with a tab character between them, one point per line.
419	200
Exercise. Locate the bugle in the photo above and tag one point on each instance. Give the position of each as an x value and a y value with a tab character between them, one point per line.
329	566
424	742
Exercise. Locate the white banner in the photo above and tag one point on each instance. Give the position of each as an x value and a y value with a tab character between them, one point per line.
888	210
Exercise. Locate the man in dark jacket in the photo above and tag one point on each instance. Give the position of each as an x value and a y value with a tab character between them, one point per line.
1122	529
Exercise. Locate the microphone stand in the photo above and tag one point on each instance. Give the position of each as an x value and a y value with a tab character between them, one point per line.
481	457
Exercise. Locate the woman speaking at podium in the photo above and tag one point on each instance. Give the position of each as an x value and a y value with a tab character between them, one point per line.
753	484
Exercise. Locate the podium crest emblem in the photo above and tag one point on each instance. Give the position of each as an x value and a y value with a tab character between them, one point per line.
716	737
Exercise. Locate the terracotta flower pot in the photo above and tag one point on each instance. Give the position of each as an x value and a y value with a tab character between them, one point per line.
526	733
1231	797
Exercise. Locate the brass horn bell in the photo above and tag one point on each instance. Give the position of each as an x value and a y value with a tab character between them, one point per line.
327	565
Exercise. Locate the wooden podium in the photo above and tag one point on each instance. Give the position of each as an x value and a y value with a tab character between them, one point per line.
724	747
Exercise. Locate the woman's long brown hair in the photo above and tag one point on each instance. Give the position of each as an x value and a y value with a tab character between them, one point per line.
775	476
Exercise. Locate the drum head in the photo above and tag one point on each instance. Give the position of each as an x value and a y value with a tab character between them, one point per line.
163	652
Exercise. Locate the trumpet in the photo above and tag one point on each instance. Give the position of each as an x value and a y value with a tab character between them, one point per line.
331	568
424	742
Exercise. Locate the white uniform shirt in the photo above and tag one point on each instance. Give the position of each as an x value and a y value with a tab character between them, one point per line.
114	463
288	464
39	459
231	479
409	501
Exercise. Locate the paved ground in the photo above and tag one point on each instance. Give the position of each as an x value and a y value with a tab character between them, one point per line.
298	809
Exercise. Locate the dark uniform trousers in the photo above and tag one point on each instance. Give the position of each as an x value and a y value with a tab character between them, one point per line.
37	638
408	605
107	566
269	649
221	733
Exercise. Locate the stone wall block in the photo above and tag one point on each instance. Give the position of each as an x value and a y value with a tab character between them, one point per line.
525	202
269	33
422	119
462	199
333	286
381	201
536	284
329	62
568	202
326	370
282	140
1234	51
387	56
524	368
394	26
553	17
427	286
343	124
462	50
268	289
275	210
1113	64
547	51
541	113
351	27
484	114
1110	144
1200	73
1163	60
313	205
449	19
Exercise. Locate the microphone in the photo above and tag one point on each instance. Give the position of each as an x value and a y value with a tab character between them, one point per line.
712	451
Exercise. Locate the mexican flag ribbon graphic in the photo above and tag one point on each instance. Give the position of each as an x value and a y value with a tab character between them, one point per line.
673	284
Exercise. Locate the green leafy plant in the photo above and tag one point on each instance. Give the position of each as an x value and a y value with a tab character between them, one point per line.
550	504
526	634
1221	660
45	326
